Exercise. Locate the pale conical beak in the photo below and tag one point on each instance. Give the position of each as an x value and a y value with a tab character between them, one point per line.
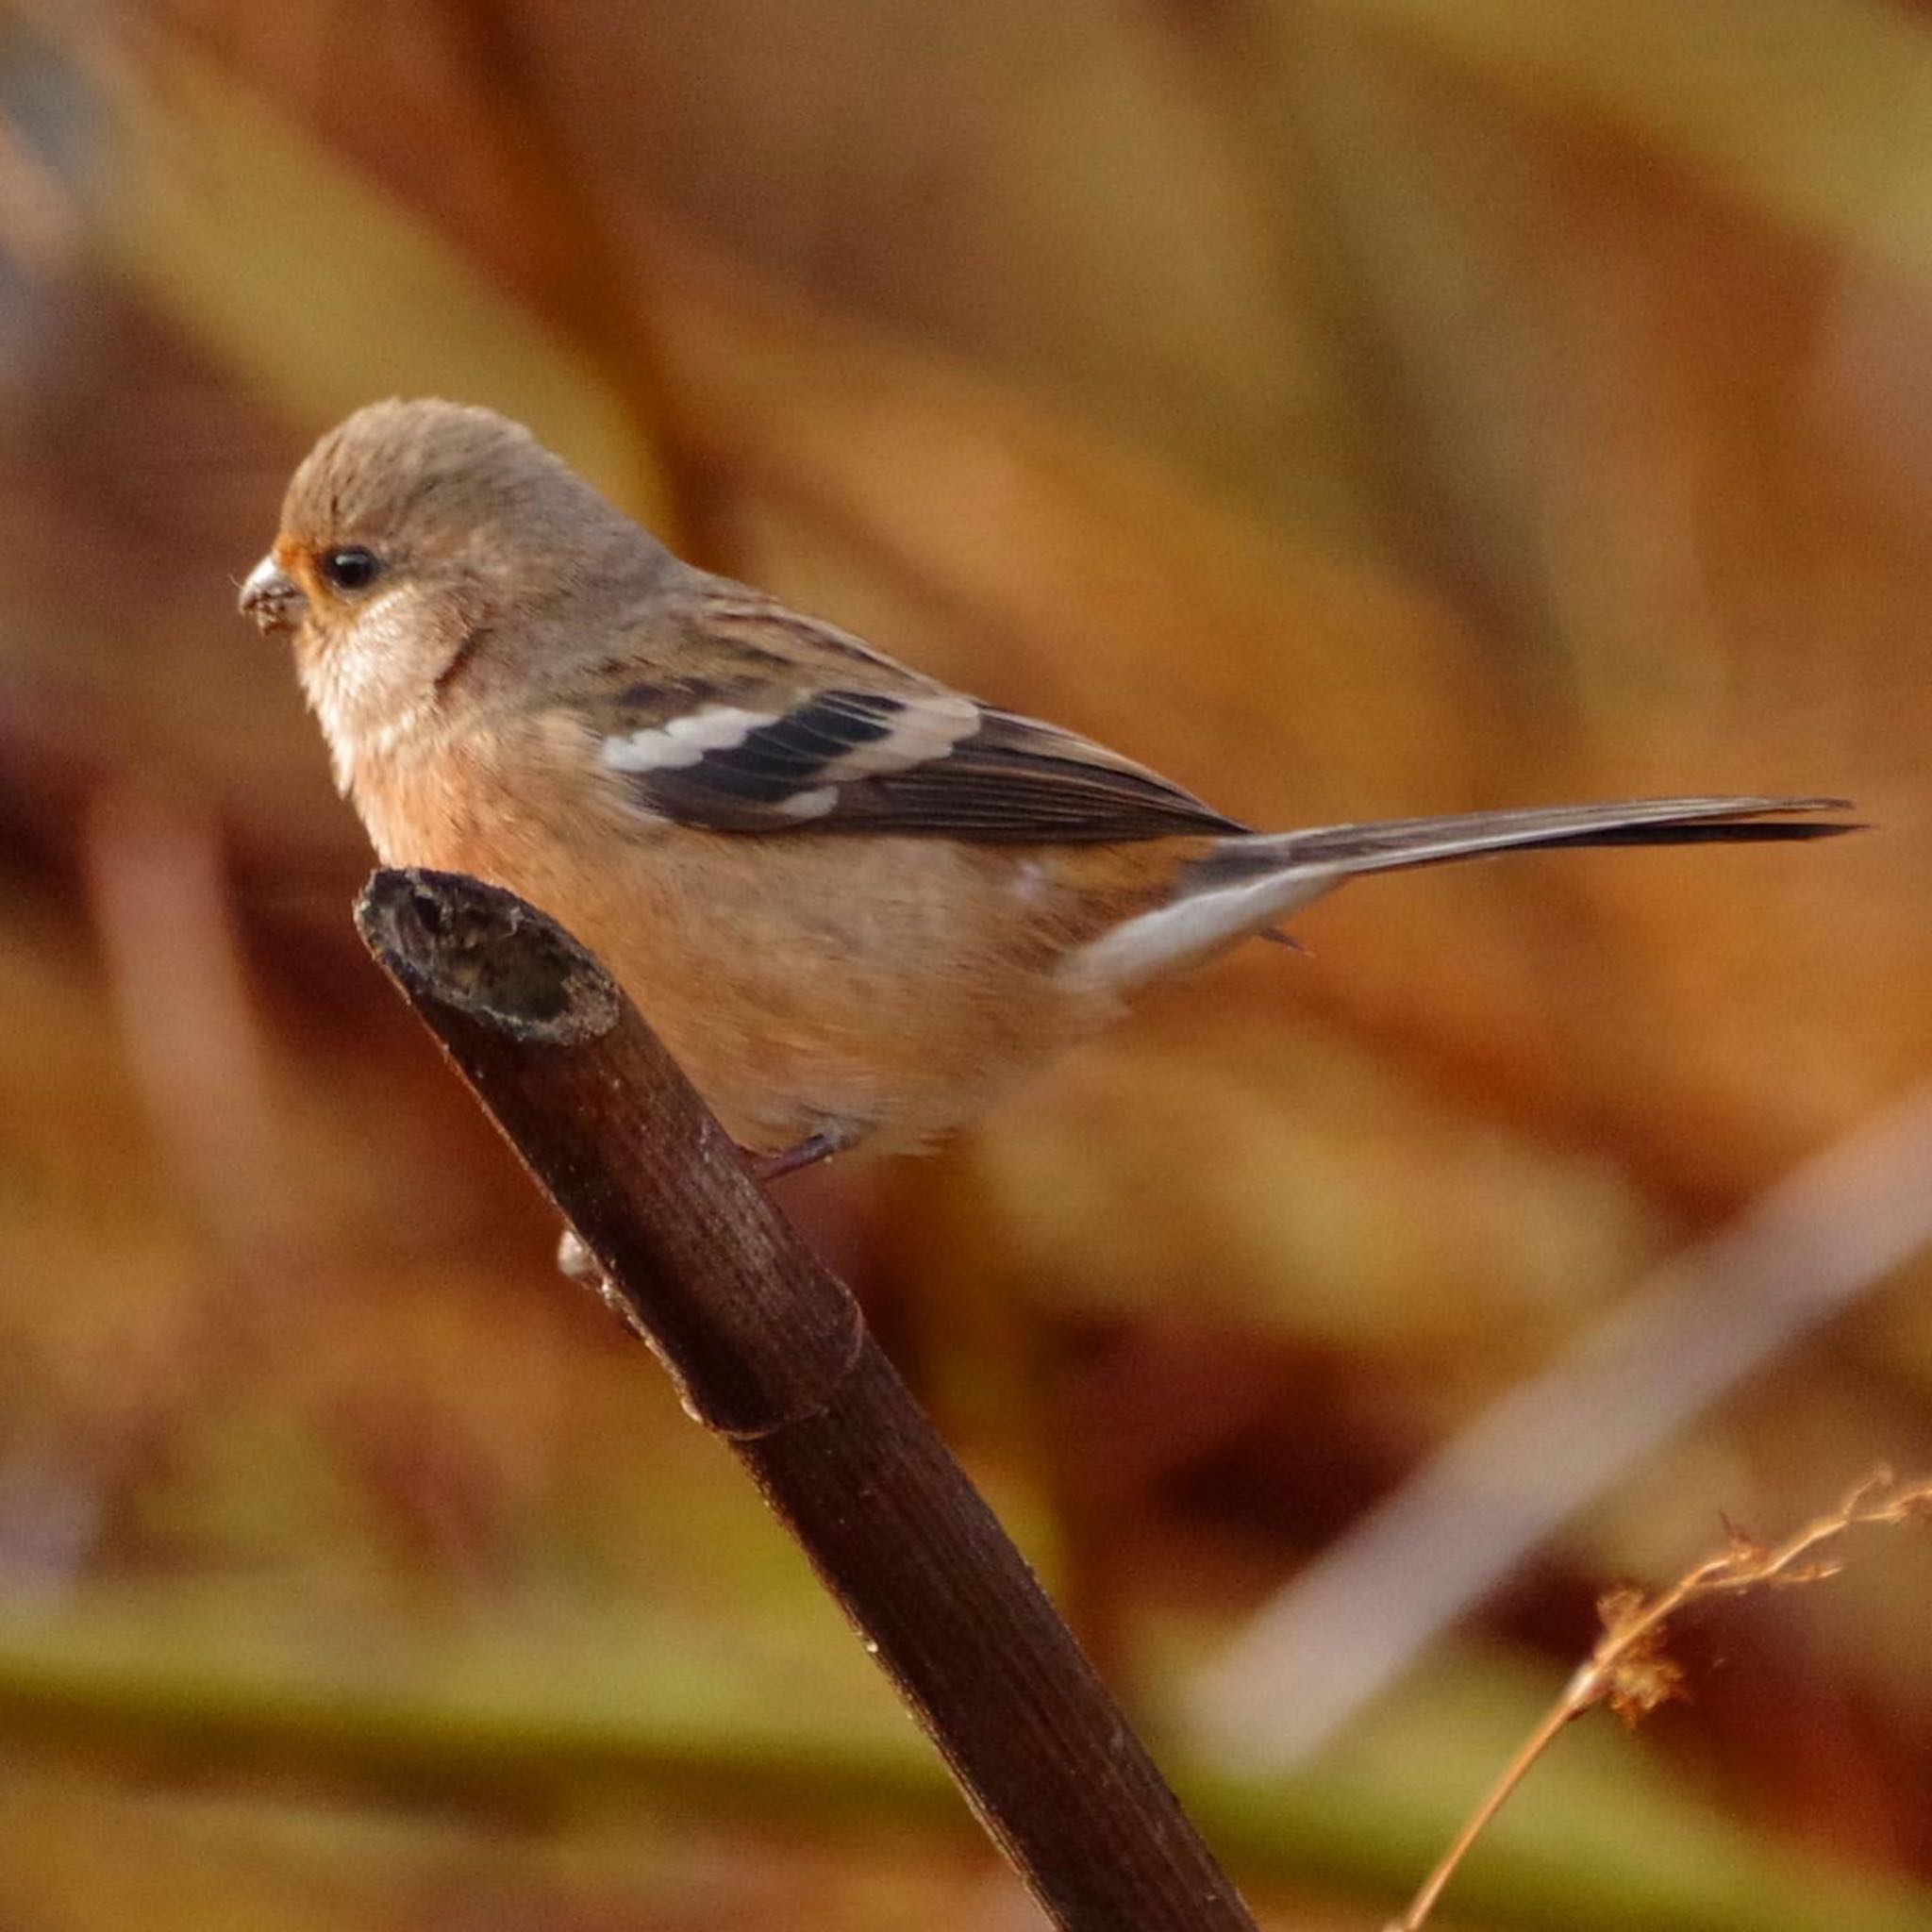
272	597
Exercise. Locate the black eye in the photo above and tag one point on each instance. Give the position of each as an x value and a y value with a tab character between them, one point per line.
351	568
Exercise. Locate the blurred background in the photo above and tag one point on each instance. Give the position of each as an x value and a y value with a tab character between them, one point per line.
1353	407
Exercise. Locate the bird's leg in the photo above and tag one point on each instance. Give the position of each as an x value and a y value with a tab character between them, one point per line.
820	1146
576	1261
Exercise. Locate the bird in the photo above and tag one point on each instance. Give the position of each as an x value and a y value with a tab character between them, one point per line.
857	905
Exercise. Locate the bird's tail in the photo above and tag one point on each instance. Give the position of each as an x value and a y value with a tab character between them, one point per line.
1249	882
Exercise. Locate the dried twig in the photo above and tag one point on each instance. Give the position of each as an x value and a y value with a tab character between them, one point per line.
1630	1671
1546	1448
771	1353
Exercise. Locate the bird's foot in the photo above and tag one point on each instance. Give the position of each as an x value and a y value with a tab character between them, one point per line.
575	1262
820	1146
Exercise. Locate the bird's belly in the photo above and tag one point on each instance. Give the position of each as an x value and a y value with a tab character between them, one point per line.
880	989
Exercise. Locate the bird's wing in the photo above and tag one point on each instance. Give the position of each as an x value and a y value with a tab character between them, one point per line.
777	724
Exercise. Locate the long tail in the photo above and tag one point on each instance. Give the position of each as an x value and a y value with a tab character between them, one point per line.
1248	883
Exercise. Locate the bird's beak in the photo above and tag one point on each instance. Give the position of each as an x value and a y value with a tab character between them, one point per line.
272	597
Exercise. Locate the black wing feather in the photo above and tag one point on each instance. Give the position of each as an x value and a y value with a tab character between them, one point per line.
1003	779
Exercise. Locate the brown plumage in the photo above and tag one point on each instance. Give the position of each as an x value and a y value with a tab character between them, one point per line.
856	903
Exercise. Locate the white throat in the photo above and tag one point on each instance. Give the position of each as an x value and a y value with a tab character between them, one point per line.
373	690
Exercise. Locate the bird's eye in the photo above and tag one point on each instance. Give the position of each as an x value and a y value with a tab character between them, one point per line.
352	568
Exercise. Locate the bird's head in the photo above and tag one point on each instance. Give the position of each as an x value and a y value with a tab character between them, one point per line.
411	534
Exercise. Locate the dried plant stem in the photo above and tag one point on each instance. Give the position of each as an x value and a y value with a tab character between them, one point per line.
1628	1669
1566	1707
771	1353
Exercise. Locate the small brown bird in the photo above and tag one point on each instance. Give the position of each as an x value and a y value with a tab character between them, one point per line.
856	904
